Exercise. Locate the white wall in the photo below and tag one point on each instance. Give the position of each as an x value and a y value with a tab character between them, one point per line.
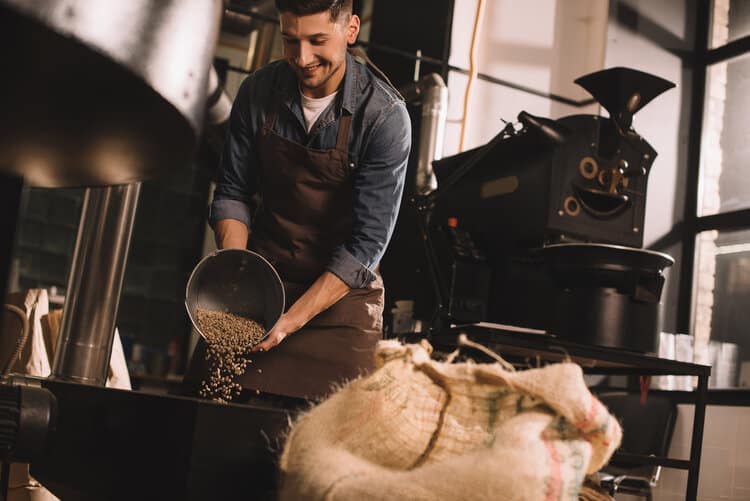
659	121
541	44
725	461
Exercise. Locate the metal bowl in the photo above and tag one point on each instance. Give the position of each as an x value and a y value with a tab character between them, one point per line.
236	281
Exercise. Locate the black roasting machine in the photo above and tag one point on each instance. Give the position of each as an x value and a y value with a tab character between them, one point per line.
542	227
103	95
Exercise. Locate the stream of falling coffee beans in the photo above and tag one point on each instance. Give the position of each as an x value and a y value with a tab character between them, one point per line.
230	338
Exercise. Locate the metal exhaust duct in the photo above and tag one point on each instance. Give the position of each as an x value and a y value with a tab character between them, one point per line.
433	94
94	284
218	103
98	268
102	93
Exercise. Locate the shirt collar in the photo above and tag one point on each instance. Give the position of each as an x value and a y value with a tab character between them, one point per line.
352	79
349	89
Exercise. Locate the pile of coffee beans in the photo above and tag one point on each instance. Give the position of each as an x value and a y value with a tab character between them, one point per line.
229	338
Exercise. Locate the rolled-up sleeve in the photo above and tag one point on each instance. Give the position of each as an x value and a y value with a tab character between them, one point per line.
229	209
236	180
378	186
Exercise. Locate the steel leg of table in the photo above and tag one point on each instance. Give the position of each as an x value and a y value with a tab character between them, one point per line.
697	442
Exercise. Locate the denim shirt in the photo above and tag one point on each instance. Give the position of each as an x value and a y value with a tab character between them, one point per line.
379	144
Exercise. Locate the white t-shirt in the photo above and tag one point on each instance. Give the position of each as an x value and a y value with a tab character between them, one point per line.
312	107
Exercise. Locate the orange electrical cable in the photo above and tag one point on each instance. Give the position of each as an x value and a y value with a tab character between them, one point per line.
472	70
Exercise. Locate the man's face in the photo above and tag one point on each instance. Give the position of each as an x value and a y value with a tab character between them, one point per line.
315	48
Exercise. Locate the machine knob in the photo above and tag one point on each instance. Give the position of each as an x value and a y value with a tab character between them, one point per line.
627	171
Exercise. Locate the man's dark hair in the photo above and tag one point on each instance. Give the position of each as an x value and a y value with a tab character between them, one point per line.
307	7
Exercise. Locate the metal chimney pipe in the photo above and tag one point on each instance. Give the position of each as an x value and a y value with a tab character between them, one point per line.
94	284
433	93
264	46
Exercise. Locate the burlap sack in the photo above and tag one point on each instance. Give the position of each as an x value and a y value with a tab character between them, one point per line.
419	429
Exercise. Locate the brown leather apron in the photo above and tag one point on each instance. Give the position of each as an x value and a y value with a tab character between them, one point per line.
306	212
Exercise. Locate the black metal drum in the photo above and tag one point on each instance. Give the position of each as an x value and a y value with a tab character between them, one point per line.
606	295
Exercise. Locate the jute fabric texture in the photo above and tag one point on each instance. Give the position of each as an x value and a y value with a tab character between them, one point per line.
420	429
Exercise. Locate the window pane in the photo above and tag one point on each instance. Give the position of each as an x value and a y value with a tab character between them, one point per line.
721	305
47	229
724	183
730	20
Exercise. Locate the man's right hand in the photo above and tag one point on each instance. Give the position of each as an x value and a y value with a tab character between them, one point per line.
231	234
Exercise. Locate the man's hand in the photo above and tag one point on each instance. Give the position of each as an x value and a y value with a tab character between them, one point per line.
284	327
324	292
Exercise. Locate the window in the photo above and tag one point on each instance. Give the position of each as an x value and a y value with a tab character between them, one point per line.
730	21
725	148
715	290
721	304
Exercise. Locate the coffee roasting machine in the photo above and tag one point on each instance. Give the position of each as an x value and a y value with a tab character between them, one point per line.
103	95
542	227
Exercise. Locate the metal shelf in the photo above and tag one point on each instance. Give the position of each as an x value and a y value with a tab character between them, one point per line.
594	359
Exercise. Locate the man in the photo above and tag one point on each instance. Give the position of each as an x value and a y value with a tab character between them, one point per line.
324	144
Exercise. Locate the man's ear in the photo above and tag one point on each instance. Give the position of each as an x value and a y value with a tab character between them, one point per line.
352	29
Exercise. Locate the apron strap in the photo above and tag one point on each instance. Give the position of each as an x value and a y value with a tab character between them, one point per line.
273	108
271	115
342	141
357	51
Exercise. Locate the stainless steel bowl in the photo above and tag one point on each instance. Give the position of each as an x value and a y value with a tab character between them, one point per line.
236	281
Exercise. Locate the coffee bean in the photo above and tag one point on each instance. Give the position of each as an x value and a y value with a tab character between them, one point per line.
230	338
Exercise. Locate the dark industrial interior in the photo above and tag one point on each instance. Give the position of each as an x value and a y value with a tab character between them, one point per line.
574	192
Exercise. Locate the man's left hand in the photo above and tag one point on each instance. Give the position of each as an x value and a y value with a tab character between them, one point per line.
283	328
325	291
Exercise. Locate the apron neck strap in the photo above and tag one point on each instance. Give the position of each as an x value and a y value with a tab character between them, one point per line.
342	141
273	109
357	51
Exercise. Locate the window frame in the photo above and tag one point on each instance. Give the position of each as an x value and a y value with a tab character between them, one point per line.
685	232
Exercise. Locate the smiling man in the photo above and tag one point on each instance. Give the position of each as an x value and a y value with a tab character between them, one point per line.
323	143
315	47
